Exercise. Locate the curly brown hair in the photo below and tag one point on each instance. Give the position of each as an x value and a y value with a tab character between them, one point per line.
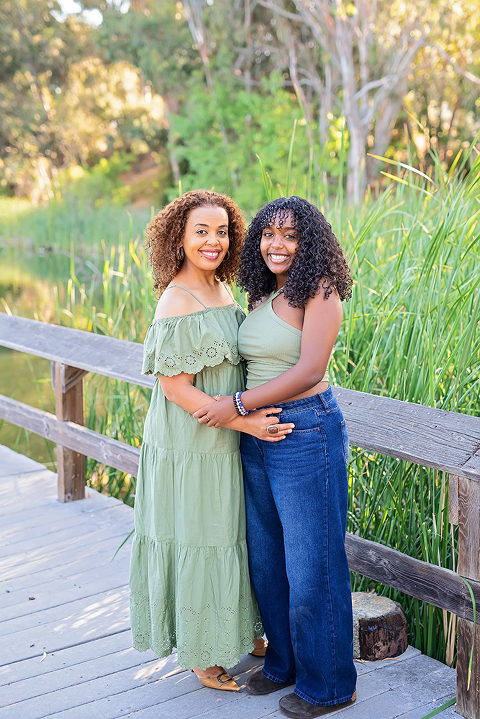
165	232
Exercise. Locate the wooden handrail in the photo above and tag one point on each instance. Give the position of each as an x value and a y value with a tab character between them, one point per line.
108	356
73	436
447	441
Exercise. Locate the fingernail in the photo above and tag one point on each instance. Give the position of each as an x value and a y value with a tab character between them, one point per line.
289	431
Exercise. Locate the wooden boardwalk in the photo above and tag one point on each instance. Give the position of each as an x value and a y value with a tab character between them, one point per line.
65	645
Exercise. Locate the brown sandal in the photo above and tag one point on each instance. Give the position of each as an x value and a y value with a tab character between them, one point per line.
260	652
223	681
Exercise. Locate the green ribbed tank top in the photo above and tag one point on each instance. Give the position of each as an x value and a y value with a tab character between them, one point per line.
268	344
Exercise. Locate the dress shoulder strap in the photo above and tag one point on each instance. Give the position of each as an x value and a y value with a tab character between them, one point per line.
190	293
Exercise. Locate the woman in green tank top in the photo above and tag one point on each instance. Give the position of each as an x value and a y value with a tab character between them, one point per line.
296	276
189	579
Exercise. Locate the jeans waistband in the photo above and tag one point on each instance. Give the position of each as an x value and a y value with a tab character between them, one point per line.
326	399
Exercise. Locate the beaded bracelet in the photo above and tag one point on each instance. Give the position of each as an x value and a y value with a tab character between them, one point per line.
237	403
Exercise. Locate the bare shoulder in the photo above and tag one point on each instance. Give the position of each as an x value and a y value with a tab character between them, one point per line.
325	306
176	302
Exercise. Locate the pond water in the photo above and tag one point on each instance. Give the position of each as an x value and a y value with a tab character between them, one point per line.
29	286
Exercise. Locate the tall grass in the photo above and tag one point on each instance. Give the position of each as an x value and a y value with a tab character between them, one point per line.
411	331
62	222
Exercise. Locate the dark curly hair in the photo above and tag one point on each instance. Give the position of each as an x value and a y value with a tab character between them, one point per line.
165	232
318	255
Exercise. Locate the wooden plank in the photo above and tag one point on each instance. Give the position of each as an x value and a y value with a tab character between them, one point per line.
63	683
128	687
432	584
448	441
25	566
468	693
427	709
453	498
90	560
42	532
78	622
69	406
165	691
79	533
14	499
12	463
94	502
18	603
64	539
398	685
68	378
27	669
366	667
58	612
110	452
91	352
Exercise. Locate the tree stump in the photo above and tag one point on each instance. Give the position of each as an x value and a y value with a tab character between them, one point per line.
379	627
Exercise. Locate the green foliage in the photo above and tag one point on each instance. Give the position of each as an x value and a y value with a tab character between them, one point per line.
158	41
97	185
254	124
411	332
72	221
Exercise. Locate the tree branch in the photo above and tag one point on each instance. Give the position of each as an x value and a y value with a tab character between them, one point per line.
469	75
280	11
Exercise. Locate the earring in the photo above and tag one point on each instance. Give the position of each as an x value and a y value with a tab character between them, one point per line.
180	253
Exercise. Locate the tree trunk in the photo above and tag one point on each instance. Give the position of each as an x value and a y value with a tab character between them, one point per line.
356	179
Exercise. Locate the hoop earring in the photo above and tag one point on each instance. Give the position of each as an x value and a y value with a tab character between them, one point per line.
180	253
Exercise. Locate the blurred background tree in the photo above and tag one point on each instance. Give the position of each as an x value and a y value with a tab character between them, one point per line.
189	92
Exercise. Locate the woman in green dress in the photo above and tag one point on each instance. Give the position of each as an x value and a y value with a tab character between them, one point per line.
190	585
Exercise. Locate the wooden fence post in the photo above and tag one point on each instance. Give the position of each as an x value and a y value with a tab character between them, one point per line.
468	696
68	385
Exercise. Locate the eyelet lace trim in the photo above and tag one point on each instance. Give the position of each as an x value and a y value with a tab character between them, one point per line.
159	632
169	364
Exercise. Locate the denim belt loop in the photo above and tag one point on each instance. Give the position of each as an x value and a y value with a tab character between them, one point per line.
326	397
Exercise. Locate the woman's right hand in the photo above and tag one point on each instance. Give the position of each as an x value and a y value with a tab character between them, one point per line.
257	422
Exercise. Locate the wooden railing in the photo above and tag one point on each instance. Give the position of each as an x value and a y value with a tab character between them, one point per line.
447	441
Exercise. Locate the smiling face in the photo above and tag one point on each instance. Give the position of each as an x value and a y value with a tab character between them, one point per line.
278	245
205	241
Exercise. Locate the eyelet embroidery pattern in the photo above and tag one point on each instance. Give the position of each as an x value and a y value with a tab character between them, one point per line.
192	363
162	637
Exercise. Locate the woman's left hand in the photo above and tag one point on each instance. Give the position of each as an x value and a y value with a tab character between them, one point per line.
218	413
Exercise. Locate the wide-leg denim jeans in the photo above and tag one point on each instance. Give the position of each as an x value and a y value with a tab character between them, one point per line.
296	502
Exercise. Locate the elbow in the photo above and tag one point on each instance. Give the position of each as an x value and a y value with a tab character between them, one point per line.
170	396
312	376
317	377
168	391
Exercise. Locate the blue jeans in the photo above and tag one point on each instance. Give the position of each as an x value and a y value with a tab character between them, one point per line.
296	502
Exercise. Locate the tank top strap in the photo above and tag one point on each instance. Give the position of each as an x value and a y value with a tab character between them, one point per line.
190	293
274	295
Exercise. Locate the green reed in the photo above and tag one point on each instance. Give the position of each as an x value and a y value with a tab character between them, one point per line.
411	332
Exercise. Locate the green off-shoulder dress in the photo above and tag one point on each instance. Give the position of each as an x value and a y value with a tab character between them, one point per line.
189	580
